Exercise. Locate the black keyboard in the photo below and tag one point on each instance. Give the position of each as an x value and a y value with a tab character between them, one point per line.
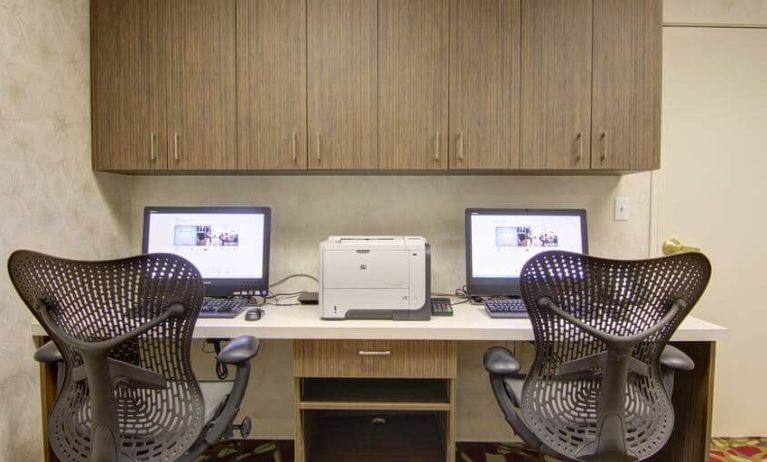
221	307
501	307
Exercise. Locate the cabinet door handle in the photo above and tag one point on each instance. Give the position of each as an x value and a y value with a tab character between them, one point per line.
460	145
319	154
579	137
175	146
604	146
436	146
374	353
295	141
151	146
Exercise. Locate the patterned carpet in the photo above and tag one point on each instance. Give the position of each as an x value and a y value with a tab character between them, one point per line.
722	450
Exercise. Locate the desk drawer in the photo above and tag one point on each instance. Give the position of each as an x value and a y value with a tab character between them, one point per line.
374	358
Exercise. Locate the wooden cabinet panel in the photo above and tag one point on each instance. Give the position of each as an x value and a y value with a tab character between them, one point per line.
202	85
342	84
484	84
627	84
271	84
121	88
556	84
374	358
413	65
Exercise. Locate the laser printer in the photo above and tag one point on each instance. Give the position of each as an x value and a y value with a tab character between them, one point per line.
375	277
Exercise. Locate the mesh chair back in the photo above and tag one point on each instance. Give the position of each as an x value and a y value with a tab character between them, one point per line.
620	298
99	300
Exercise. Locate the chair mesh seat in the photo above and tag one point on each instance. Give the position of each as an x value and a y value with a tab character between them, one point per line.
621	298
96	301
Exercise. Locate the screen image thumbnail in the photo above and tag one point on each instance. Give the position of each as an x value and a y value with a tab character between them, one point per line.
525	236
206	236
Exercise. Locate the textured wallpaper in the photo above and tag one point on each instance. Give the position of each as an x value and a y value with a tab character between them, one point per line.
50	200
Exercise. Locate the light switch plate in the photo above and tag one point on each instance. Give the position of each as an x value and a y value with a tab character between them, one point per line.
621	209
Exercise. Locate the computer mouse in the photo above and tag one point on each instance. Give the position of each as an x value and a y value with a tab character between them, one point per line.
254	314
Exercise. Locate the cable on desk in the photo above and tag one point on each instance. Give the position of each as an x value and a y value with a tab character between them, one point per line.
274	299
297	275
459	293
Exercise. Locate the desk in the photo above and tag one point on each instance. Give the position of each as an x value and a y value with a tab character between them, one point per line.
693	391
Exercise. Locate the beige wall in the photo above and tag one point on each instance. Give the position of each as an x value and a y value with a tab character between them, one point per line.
49	198
709	195
714	146
719	12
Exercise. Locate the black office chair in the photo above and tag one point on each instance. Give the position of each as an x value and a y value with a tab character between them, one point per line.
601	383
123	329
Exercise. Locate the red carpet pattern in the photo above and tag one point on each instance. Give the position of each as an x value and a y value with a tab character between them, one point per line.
739	450
722	450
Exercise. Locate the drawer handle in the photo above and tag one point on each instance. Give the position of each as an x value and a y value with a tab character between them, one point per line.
374	353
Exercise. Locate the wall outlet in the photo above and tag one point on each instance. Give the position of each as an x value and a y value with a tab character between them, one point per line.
621	209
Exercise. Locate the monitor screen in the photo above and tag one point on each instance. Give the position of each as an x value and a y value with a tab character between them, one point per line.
499	243
229	245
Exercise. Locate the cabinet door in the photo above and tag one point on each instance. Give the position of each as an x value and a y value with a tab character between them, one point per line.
271	98
127	134
413	62
484	84
556	84
342	83
627	84
202	85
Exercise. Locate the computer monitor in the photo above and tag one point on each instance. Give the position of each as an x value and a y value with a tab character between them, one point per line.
229	245
500	241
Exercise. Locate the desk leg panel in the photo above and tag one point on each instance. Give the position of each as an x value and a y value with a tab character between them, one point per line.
693	406
47	397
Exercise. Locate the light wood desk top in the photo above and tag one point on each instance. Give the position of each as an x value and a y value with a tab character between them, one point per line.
469	323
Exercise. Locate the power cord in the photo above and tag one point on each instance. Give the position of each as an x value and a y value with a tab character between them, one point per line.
222	372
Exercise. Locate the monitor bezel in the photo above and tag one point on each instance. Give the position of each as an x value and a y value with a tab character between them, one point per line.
217	287
509	286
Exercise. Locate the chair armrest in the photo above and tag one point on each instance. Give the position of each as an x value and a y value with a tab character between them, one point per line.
500	361
676	359
239	350
48	353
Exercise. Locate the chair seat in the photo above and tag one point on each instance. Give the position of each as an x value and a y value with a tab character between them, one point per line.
214	394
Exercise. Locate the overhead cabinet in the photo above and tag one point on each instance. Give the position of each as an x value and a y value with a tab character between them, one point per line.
163	85
413	84
565	86
627	84
271	84
343	84
126	86
484	84
556	84
201	111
